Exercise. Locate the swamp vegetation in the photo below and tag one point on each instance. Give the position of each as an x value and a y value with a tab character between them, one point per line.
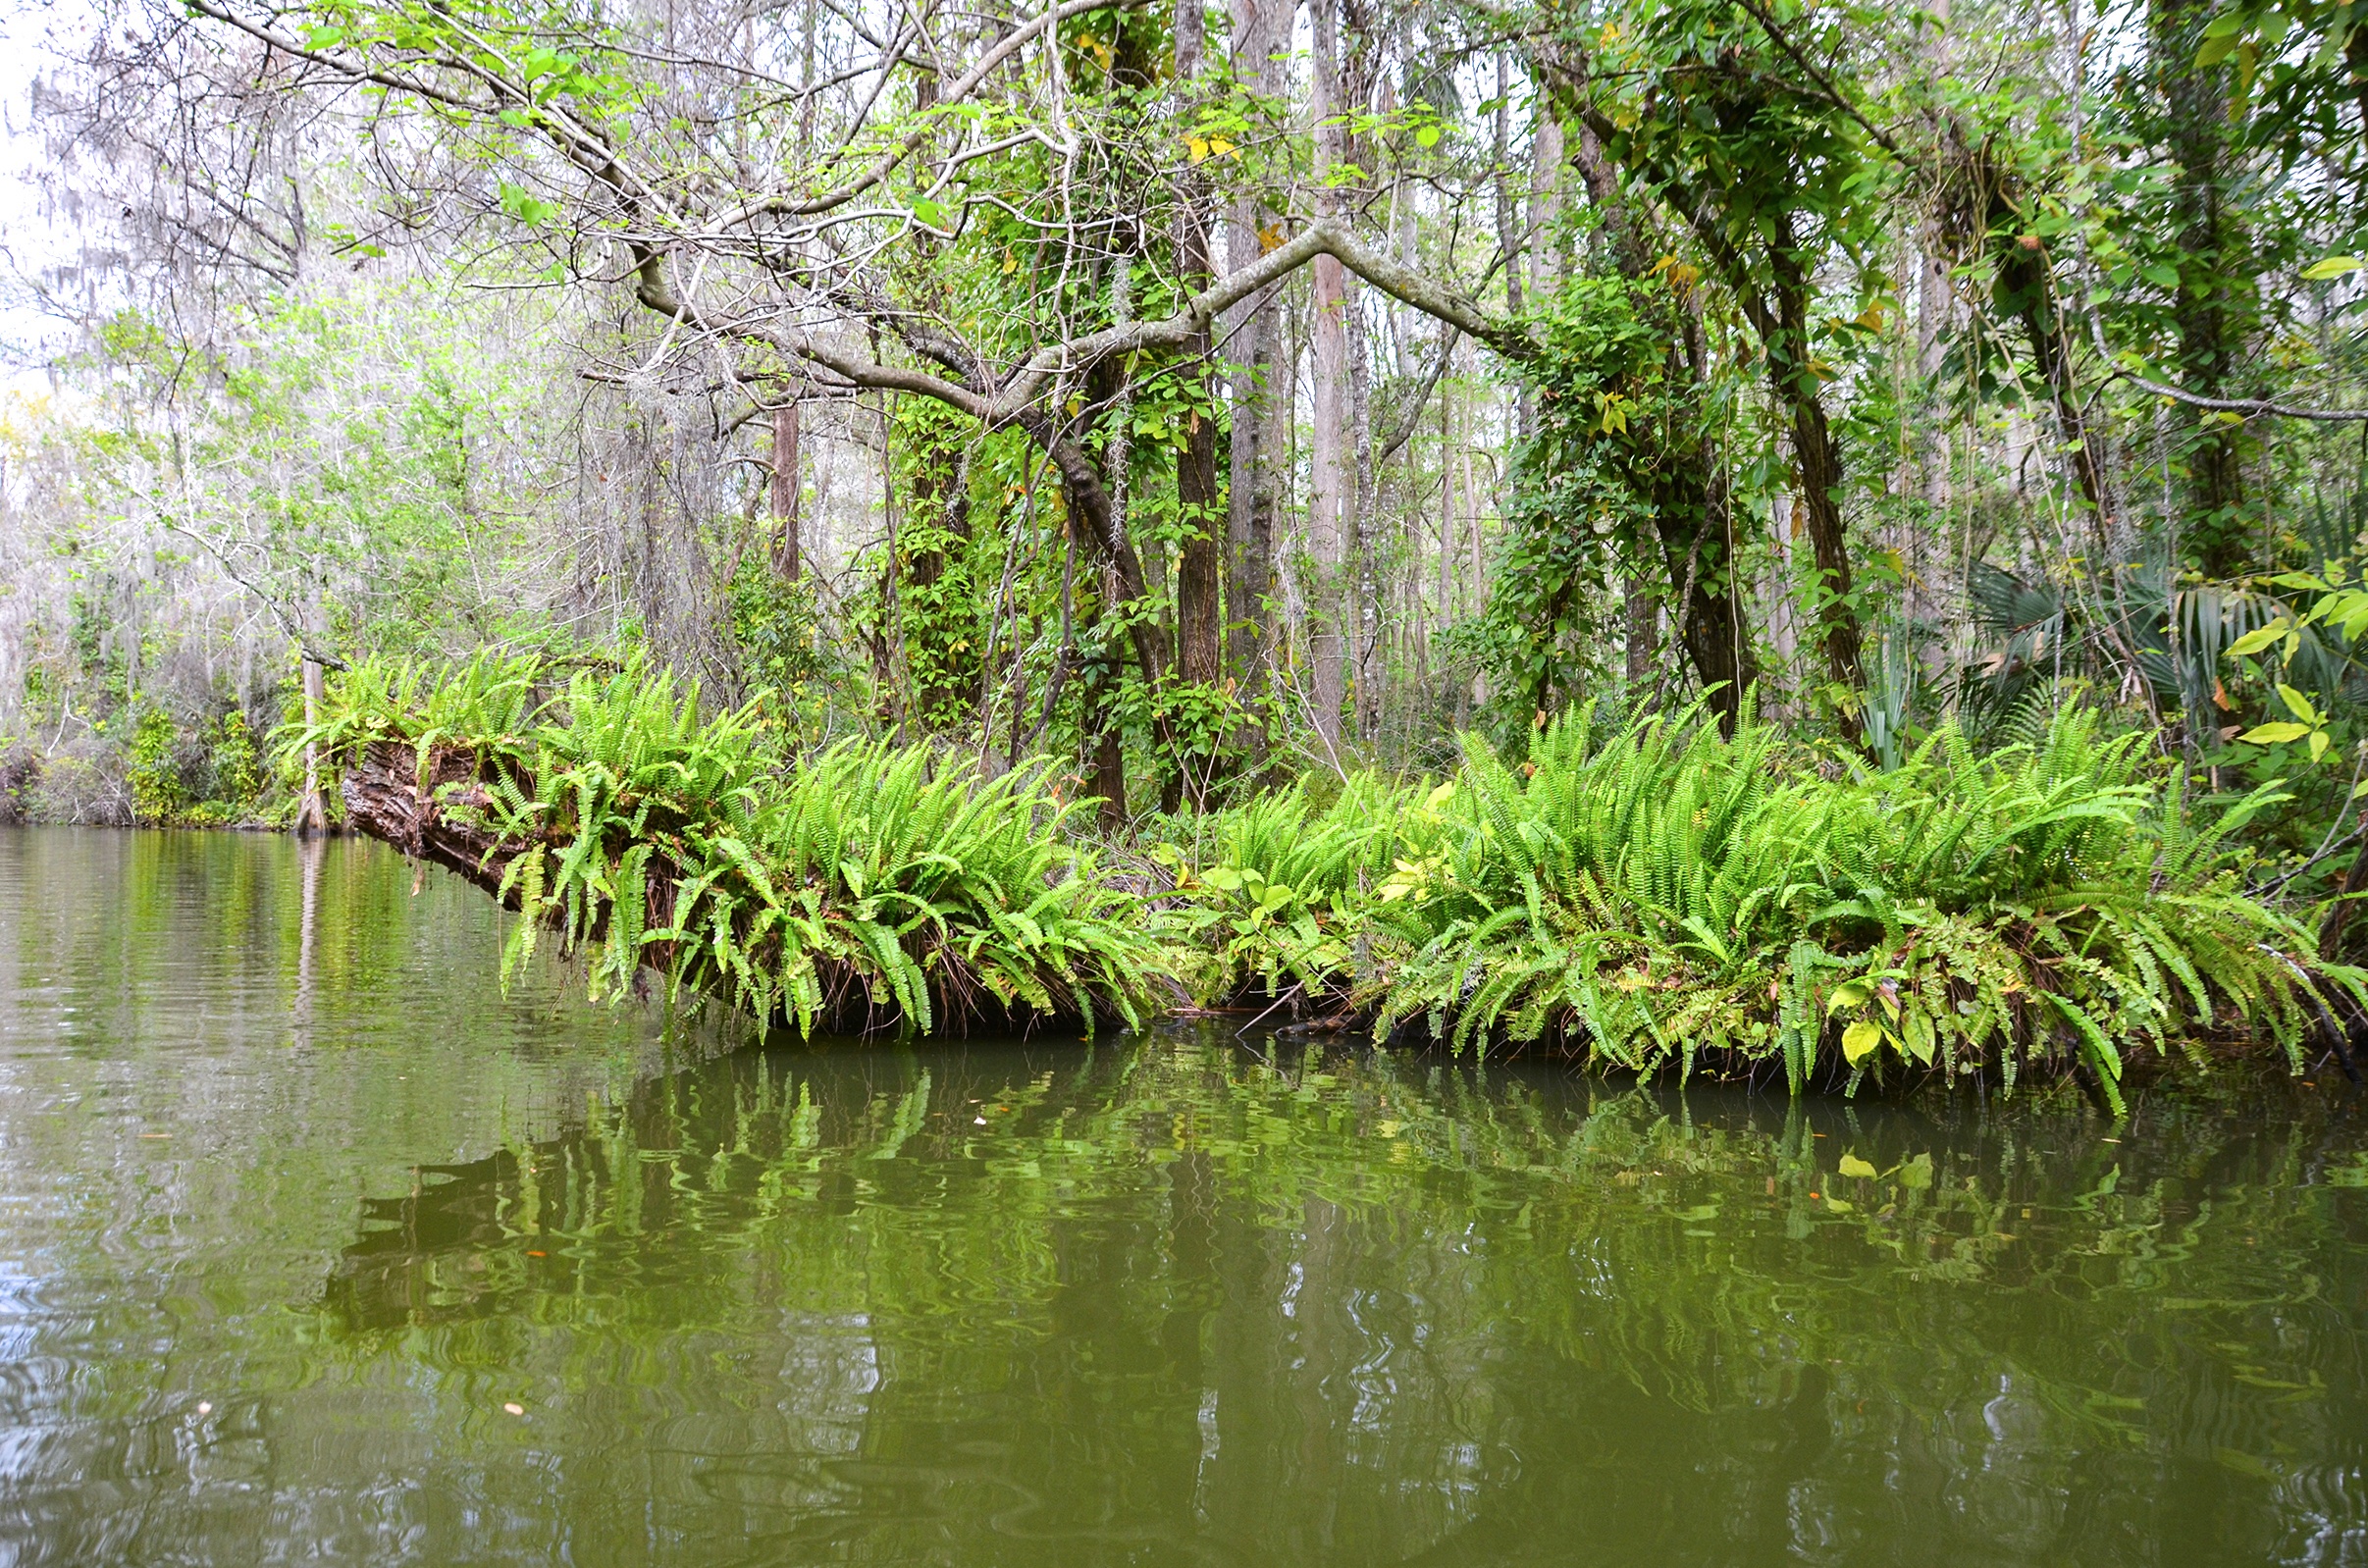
1354	782
1788	538
1655	893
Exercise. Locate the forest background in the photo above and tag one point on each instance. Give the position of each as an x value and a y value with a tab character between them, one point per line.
1207	397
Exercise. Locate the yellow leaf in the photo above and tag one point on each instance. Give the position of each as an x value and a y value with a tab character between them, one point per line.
2274	734
2259	638
1860	1040
1853	1166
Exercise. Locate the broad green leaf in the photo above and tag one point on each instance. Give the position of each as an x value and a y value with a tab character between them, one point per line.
1853	1166
1920	1036
2274	734
2333	267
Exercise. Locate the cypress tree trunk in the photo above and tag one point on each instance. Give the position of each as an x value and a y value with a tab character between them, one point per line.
2216	302
1199	614
1251	503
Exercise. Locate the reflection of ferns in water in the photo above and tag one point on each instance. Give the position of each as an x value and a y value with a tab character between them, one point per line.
1574	1209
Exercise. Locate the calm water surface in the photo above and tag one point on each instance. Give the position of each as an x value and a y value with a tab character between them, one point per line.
316	1246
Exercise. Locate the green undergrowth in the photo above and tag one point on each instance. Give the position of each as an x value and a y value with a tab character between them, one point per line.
1659	896
1651	896
864	885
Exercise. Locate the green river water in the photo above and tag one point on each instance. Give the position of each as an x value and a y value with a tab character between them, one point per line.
315	1247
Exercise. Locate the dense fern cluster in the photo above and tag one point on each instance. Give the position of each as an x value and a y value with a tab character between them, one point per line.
865	884
1658	894
1274	897
1652	894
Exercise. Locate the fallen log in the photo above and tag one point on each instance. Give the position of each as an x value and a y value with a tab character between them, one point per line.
387	797
805	931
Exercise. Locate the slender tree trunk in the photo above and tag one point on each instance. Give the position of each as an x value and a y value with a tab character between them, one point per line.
1509	224
1105	740
1329	468
312	811
2214	306
1363	528
1783	325
1250	513
1545	205
1446	507
1643	609
786	557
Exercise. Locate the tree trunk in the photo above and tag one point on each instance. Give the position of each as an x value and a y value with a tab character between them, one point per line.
1644	632
2215	264
1510	239
1362	530
1250	513
1199	614
1783	325
312	811
786	560
1328	468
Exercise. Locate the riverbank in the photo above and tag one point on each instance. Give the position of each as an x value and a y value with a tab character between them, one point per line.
1654	896
146	770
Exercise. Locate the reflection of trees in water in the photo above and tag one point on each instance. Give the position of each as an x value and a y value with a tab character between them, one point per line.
1366	1301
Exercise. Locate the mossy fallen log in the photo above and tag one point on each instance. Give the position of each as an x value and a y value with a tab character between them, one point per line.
438	815
865	887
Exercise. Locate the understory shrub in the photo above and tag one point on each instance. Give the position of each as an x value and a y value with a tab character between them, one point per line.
1276	893
80	784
